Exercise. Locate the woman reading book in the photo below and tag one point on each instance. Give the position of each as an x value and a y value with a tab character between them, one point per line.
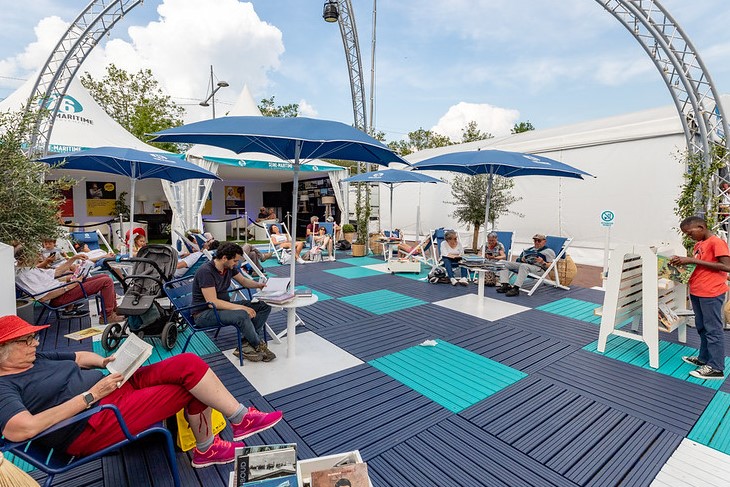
39	390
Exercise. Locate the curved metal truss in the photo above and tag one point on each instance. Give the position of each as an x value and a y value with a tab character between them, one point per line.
354	62
690	85
93	22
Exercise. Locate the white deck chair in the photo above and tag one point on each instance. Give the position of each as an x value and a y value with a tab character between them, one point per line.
559	245
426	248
278	252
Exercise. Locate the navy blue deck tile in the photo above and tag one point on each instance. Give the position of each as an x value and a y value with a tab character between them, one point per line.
659	399
330	312
586	294
360	408
568	330
437	321
338	287
545	294
373	337
236	383
53	337
514	347
87	475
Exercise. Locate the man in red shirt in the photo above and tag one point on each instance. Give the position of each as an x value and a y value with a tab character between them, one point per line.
707	288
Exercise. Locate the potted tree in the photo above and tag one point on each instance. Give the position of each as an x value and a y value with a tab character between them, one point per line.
349	232
362	217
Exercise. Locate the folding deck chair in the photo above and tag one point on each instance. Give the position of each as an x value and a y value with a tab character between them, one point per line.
92	239
278	252
559	245
424	248
329	228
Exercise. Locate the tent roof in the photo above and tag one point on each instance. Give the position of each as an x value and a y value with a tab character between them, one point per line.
80	123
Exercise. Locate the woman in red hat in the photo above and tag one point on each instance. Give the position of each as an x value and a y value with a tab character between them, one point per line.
39	390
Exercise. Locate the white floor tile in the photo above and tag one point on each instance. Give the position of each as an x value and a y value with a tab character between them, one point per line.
481	307
315	357
693	464
379	267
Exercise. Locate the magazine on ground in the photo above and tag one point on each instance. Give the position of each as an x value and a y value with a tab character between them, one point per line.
356	475
85	333
259	465
130	356
306	467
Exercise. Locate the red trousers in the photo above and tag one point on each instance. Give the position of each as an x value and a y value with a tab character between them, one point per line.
153	393
101	283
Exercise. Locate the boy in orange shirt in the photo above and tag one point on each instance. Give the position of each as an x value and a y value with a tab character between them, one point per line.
707	288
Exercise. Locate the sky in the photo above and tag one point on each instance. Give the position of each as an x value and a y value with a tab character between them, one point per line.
438	65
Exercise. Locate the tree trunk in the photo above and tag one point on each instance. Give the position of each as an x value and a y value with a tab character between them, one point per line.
475	238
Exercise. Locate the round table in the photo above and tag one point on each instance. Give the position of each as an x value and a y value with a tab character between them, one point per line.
292	319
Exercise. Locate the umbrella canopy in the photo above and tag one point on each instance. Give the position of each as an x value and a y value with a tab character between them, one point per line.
292	139
288	138
133	163
391	177
501	163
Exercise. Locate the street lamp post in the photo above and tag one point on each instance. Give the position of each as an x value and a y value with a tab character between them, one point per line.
214	87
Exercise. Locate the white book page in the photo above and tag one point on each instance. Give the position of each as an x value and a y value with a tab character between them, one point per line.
130	356
275	285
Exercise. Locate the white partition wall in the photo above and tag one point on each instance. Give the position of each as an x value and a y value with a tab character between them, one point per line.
7	280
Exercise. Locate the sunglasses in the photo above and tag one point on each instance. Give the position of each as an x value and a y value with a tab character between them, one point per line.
28	340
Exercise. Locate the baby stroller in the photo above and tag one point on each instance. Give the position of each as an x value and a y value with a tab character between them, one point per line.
153	266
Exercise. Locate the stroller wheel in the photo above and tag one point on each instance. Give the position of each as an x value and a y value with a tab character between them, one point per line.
169	335
112	336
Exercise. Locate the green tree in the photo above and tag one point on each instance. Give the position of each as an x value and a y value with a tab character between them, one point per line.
469	197
136	102
28	206
522	127
269	108
471	133
418	140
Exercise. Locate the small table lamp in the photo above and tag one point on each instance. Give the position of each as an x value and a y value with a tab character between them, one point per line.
142	199
328	201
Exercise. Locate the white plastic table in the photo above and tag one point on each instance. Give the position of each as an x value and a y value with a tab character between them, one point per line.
292	320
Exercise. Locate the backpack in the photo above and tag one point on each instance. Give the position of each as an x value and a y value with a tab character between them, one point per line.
438	276
343	245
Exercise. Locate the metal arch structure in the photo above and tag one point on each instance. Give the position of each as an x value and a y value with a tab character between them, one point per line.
348	30
690	85
98	18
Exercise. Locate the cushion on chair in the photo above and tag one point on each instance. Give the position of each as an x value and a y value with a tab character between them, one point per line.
566	269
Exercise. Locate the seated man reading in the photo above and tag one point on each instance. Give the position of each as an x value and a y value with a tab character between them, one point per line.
536	259
211	284
282	241
41	389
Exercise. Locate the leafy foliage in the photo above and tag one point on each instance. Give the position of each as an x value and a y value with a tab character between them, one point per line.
136	102
418	140
28	206
471	133
270	109
522	127
469	196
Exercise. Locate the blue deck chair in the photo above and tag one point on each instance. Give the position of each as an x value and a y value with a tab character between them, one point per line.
506	239
386	244
184	242
48	308
329	228
559	245
92	239
180	293
54	462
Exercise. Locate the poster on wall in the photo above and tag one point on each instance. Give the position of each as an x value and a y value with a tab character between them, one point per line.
208	206
67	207
100	198
235	199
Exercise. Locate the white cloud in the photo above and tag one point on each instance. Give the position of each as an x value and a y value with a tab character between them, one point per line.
494	120
179	47
307	110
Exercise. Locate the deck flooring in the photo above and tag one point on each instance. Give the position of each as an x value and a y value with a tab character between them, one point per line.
521	400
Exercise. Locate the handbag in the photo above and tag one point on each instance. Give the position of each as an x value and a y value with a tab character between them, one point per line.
185	437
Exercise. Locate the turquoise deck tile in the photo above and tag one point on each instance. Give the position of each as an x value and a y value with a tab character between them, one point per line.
462	378
713	427
573	308
18	462
354	272
361	261
636	353
200	345
382	301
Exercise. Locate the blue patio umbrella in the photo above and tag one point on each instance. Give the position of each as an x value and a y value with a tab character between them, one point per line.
292	139
392	177
133	163
501	163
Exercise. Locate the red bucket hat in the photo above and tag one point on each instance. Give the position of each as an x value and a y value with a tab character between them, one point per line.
12	327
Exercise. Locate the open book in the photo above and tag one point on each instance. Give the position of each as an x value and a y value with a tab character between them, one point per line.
130	356
274	287
84	269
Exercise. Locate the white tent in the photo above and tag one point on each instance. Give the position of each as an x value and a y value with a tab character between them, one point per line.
636	161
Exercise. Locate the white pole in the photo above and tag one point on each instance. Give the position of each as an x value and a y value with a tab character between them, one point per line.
131	211
606	250
293	225
391	209
486	210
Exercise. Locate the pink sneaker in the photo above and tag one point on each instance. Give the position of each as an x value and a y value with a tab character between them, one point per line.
254	421
219	453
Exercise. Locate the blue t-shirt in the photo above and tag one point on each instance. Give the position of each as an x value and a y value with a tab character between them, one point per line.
54	379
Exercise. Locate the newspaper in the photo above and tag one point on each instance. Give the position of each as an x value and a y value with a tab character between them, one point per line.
85	333
129	357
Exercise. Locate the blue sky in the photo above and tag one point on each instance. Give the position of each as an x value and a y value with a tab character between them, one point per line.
439	64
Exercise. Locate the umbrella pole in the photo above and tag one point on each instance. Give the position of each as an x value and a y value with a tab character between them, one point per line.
391	209
486	211
291	332
131	215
